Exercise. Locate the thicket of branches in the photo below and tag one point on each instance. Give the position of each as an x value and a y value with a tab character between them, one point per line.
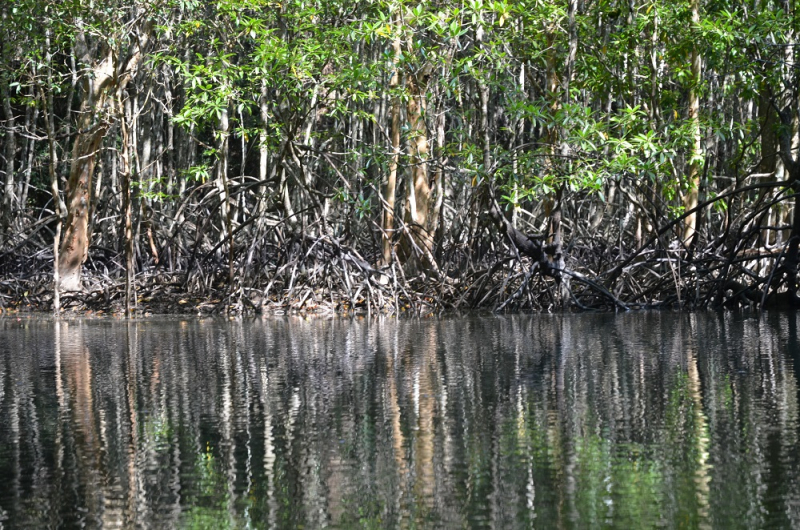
383	155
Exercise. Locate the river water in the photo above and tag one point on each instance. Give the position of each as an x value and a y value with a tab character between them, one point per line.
637	420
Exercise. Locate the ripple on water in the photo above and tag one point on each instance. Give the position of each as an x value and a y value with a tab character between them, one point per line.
573	421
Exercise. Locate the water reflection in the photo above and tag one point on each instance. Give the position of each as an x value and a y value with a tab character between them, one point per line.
628	421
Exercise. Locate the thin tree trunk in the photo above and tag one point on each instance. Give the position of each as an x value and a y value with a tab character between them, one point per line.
9	202
572	50
556	213
551	132
283	187
127	209
222	184
47	104
767	118
8	55
438	176
263	149
30	149
390	190
483	91
695	165
655	84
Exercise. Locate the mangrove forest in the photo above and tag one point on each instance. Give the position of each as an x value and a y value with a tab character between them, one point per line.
393	156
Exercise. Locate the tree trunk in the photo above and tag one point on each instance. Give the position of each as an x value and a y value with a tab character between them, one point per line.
127	209
767	119
49	118
787	105
767	167
390	190
75	245
263	149
23	187
695	161
104	75
9	204
419	188
420	225
222	185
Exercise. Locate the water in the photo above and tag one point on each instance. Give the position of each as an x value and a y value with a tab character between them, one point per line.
592	421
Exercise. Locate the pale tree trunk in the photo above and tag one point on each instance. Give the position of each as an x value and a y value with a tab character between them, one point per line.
486	147
483	91
75	244
655	100
6	49
789	138
438	174
222	185
553	204
695	166
419	224
419	221
572	50
390	190
283	189
9	202
149	170
104	75
58	205
29	149
789	101
556	222
127	218
263	150
551	132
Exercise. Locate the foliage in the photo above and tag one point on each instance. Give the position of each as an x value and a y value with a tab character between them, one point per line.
251	114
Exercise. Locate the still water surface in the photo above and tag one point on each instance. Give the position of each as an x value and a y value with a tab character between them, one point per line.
619	421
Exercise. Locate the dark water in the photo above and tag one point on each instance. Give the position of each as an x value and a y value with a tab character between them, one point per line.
628	421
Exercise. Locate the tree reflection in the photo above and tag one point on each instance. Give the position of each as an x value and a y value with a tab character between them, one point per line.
623	421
